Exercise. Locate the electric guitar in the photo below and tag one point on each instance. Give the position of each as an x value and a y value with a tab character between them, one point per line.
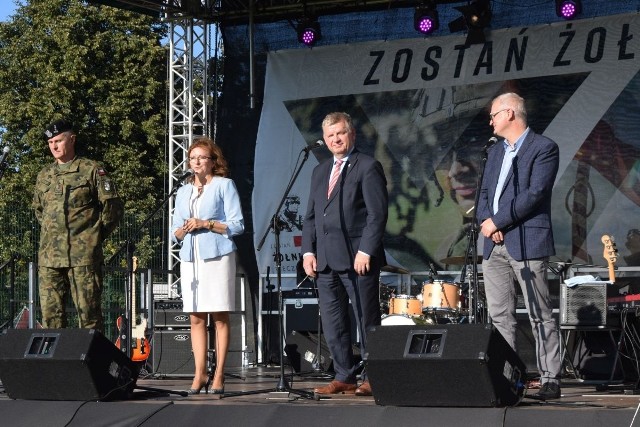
140	345
610	254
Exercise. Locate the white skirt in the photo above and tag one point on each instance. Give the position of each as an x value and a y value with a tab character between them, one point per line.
209	285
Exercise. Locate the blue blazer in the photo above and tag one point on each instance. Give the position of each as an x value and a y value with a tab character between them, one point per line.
220	202
524	213
354	217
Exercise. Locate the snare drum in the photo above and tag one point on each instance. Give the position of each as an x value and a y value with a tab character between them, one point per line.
405	304
440	296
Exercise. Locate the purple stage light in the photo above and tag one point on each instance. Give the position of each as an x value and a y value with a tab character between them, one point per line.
308	37
568	9
425	25
425	18
308	32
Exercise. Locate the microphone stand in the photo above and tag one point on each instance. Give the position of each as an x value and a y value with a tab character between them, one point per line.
471	259
129	245
276	226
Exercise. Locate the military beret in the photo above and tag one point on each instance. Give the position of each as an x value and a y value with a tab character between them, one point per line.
56	128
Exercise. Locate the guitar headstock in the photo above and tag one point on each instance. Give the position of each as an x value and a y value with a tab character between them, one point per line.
610	251
610	254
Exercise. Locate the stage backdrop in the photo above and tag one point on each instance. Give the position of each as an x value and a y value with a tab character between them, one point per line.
420	106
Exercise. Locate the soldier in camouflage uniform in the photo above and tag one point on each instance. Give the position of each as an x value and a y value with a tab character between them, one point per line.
77	206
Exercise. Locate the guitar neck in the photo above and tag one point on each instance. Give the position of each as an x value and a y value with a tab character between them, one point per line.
134	312
612	272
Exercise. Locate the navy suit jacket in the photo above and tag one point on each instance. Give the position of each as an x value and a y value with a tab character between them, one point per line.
353	218
524	213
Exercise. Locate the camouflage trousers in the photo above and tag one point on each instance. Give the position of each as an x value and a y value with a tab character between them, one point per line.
85	285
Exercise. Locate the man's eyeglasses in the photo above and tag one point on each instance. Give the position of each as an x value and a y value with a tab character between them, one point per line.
199	158
492	115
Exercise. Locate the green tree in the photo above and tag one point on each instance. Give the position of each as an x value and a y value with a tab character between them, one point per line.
104	69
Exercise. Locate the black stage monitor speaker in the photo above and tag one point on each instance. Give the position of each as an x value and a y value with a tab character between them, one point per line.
64	364
443	365
584	304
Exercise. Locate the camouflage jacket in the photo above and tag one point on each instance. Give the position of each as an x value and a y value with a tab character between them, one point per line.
77	208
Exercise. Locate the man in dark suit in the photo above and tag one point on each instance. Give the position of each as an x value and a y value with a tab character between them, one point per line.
514	211
342	246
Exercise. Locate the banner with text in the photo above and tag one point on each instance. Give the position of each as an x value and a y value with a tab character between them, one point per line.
420	107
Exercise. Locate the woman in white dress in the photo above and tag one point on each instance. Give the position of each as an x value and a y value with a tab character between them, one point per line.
207	215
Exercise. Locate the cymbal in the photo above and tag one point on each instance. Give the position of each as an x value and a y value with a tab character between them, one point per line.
458	260
394	269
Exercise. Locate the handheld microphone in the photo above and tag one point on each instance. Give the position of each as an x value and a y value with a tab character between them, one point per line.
491	141
5	153
187	174
319	143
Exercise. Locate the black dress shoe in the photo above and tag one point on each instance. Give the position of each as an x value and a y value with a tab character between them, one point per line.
547	391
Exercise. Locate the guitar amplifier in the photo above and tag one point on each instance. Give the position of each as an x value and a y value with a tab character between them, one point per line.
584	304
171	353
169	314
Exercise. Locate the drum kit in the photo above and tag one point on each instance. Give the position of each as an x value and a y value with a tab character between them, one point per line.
437	302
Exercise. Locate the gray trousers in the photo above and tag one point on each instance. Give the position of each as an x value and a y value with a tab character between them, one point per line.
501	272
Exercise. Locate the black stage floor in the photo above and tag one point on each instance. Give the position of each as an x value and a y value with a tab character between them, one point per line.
581	404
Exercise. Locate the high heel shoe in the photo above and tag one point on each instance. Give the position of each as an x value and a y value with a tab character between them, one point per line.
194	391
218	393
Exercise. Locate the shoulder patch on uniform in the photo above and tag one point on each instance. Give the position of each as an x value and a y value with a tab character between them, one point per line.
101	172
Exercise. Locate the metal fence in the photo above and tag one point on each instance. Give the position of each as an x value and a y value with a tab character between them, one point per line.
14	273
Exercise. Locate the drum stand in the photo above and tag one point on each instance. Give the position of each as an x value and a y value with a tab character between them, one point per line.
477	308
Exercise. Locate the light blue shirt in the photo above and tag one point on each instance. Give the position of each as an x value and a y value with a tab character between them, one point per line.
510	153
220	202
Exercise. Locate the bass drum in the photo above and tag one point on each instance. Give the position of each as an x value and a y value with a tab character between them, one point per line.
403	319
397	319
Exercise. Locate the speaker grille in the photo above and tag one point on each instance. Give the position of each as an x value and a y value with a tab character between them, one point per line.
172	354
584	304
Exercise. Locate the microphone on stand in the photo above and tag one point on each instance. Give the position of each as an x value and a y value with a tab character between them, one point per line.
5	152
490	143
319	143
187	174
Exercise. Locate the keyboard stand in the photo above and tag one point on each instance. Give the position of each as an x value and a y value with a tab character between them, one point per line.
580	333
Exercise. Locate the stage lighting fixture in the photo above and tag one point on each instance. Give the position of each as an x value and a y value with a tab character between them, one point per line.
425	18
308	32
568	9
476	16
